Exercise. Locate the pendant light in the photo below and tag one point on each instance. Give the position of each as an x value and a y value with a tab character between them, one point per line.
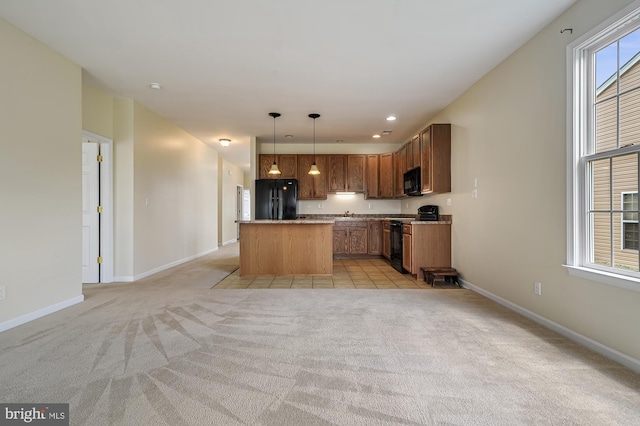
314	168
274	167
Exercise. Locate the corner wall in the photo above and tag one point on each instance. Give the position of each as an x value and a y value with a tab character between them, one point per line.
509	132
40	179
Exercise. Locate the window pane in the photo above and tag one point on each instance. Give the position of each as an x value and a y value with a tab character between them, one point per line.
629	116
600	226
629	48
606	65
625	178
600	184
606	118
625	240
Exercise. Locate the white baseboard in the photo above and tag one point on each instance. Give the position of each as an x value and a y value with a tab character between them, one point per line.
229	242
123	279
597	347
39	313
171	265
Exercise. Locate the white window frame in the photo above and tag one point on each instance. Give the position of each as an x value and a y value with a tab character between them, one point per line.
580	128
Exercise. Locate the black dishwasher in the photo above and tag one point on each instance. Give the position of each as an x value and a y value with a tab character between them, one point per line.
395	227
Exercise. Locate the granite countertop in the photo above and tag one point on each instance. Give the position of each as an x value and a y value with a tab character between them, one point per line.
289	221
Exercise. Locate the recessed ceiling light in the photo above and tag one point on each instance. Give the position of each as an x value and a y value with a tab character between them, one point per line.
376	136
288	136
391	118
225	142
339	140
155	86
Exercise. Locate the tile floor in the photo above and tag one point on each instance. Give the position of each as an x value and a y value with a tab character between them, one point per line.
347	273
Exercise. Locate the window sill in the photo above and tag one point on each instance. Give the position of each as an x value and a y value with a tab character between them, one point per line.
616	280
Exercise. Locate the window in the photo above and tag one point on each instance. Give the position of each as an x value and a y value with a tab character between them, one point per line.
630	221
604	236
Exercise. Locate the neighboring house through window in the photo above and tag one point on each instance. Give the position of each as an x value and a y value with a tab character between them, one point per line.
604	177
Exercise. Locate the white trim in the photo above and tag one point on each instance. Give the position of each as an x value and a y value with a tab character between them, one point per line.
23	319
106	200
123	279
229	242
585	341
604	277
170	265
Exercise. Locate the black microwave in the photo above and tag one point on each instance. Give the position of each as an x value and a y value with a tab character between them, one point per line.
412	182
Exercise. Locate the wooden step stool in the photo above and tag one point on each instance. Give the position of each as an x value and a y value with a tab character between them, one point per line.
433	273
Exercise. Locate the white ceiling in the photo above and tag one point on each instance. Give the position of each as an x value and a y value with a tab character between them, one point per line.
225	64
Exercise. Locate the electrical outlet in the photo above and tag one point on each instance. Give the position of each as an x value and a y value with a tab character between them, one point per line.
537	288
448	201
3	292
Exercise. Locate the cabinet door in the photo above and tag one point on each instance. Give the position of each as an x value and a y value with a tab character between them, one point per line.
320	181
288	165
356	172
399	174
375	237
386	243
415	147
386	175
305	180
337	173
435	161
373	176
266	160
407	252
340	240
358	240
426	162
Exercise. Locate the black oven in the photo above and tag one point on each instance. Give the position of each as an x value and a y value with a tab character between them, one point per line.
396	246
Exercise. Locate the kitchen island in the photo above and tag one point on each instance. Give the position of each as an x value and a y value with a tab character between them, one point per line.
286	247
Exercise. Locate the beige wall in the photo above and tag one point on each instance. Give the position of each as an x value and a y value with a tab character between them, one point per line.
230	176
40	176
174	195
97	111
509	132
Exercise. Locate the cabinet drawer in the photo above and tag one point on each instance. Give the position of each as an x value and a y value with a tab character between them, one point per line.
350	224
406	228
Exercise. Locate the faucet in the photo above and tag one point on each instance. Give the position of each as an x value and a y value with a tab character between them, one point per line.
346	214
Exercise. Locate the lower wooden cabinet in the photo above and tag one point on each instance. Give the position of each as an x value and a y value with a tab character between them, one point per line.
350	237
426	245
375	237
386	239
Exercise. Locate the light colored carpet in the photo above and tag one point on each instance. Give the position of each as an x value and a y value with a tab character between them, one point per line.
170	351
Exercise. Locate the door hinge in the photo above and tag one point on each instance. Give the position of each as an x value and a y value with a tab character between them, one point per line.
99	158
99	259
99	209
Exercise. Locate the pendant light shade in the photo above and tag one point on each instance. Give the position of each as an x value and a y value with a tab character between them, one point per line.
314	168
274	167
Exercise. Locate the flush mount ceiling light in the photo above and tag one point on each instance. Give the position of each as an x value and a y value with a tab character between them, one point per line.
391	118
339	141
314	168
225	142
376	136
274	167
155	86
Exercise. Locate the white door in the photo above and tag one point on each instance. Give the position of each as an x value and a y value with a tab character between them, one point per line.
90	215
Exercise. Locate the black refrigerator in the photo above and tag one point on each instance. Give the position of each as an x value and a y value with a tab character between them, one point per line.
276	199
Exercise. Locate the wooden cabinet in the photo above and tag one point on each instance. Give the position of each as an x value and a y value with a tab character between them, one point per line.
312	187
399	161
435	164
414	147
386	175
373	176
386	239
407	247
346	173
425	245
375	237
350	237
287	163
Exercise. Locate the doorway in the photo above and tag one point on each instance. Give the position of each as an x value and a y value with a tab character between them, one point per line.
97	208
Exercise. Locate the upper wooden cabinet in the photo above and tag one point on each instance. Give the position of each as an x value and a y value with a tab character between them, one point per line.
287	163
312	187
435	164
373	176
399	163
346	173
415	153
386	175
